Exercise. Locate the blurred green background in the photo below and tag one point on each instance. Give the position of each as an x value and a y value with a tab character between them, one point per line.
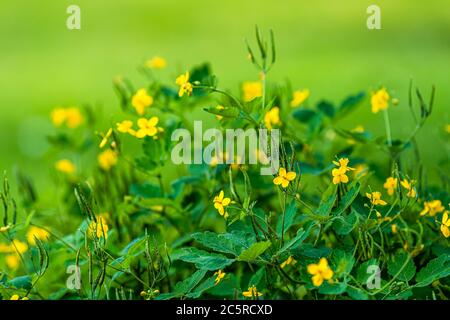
322	45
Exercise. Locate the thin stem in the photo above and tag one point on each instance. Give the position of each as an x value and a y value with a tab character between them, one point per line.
387	125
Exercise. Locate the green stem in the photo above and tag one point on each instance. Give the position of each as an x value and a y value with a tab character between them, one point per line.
387	125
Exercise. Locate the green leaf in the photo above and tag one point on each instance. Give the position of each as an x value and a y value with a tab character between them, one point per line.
254	251
395	265
435	269
23	282
257	278
290	213
344	224
326	108
203	260
362	275
335	288
343	262
304	115
356	293
351	102
233	243
297	240
145	190
188	284
347	199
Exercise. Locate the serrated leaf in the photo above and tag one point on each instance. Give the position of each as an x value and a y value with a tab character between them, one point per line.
343	225
435	269
202	259
395	265
233	243
254	251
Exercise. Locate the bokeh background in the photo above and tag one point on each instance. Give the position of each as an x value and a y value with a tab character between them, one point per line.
323	45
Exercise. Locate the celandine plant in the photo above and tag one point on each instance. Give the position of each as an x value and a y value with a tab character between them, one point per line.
343	214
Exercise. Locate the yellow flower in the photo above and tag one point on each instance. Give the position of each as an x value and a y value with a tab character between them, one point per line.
147	127
126	126
220	203
98	229
447	128
339	174
288	261
65	166
220	274
105	138
252	292
272	117
379	100
284	178
58	116
408	185
12	261
390	185
375	198
37	232
107	159
343	164
432	207
299	96
445	225
320	272
156	63
141	100
18	246
394	228
71	117
219	107
251	90
185	85
16	297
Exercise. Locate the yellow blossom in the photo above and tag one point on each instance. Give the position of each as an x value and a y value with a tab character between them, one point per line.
220	275
320	272
447	128
107	159
251	90
432	207
156	63
65	166
272	117
12	261
141	100
299	96
339	174
375	198
288	261
98	229
126	126
16	297
220	203
445	225
185	85
284	178
390	185
252	292
408	185
394	228
37	232
71	117
147	127
379	100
